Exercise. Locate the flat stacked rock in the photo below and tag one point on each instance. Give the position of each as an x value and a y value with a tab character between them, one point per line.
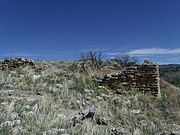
143	77
14	63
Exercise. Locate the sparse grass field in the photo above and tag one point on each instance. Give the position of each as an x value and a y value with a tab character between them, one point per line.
44	102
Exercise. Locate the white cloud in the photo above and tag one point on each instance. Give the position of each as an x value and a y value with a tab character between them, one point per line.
112	53
153	51
147	52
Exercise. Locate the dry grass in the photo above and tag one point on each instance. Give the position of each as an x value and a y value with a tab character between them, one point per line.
173	94
133	112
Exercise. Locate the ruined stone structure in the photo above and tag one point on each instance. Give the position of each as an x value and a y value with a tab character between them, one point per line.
14	63
143	78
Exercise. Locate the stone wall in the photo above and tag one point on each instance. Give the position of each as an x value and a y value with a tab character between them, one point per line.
14	63
143	78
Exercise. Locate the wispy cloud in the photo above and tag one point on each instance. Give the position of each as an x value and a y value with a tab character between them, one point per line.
112	53
147	52
153	51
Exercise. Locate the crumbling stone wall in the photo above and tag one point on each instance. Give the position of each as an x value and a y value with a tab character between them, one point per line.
14	63
144	77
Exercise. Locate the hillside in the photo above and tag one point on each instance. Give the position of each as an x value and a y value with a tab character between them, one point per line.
46	102
171	73
173	66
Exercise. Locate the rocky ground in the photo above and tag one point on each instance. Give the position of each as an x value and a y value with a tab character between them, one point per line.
46	102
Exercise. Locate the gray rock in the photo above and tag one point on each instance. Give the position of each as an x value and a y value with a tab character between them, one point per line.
87	113
126	102
54	131
136	111
120	131
88	91
143	123
27	108
60	86
103	120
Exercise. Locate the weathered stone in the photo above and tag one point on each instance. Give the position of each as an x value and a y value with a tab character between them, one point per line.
120	131
103	120
14	63
144	77
99	98
87	113
35	77
27	108
54	131
136	111
116	100
143	123
60	86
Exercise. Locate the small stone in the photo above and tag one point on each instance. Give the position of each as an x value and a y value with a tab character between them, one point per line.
88	94
143	123
54	131
88	91
103	120
99	98
116	100
136	111
108	76
101	87
27	107
88	97
60	86
126	102
120	131
35	77
18	122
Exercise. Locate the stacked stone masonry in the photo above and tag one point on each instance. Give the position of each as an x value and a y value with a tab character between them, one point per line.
14	63
143	78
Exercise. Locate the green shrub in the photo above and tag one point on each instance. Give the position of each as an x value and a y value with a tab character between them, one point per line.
78	85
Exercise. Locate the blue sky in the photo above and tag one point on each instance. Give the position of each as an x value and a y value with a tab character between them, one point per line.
61	29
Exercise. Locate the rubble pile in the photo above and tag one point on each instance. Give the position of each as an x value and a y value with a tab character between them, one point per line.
14	63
